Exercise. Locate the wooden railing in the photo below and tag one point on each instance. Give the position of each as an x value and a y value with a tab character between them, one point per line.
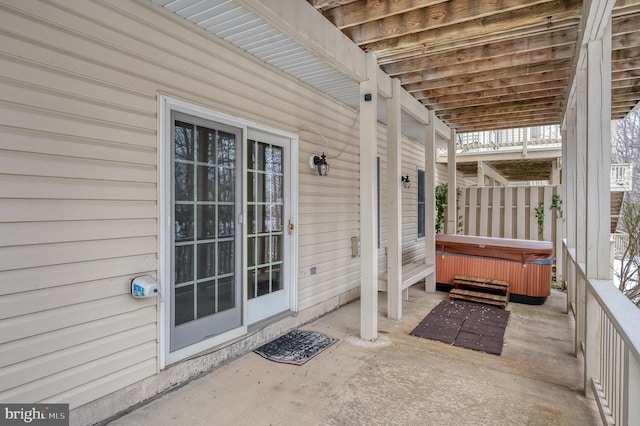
608	337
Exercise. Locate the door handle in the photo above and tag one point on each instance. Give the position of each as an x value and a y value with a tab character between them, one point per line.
290	227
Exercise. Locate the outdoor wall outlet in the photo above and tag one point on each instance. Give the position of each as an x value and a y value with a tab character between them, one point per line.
313	270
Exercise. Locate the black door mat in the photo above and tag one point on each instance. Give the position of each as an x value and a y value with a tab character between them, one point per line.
296	347
465	324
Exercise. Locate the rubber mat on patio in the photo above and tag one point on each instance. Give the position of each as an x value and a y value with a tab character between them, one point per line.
466	324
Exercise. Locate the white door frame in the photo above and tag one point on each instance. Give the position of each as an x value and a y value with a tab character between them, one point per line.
166	104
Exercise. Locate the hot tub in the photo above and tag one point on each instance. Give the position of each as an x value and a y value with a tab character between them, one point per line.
525	265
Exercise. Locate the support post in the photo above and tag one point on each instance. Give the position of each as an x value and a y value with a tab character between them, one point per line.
597	197
480	178
429	200
394	200
452	211
368	211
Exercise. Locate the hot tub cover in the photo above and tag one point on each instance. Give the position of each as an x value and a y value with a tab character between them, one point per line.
525	251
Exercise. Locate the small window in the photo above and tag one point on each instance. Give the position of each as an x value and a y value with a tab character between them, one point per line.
421	232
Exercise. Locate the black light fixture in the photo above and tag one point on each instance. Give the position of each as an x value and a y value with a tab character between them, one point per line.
321	164
405	182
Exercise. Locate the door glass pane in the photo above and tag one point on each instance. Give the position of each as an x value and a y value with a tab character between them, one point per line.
206	183
184	304
265	218
183	222
206	260
204	236
183	181
206	222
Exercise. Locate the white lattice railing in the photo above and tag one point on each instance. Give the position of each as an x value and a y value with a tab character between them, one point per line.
509	138
620	241
621	177
608	336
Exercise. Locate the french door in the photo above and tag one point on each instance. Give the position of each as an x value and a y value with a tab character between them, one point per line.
269	225
228	251
206	295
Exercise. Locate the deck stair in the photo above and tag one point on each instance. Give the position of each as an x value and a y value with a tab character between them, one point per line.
483	290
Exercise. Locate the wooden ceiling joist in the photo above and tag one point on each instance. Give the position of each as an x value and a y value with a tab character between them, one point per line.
489	65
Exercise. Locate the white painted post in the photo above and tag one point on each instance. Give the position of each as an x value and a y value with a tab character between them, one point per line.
533	219
593	337
429	202
472	228
598	172
368	211
580	205
549	215
452	215
495	211
484	212
508	213
521	213
480	178
394	171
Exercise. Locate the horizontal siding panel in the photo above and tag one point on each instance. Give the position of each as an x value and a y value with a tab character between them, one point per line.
42	344
30	72
45	98
22	163
24	303
30	187
52	254
55	122
107	384
27	140
55	319
28	233
56	362
15	210
40	390
19	280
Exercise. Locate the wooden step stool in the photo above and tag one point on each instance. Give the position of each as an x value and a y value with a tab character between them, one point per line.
483	290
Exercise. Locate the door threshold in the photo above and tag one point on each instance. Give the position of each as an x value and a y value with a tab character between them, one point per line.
258	325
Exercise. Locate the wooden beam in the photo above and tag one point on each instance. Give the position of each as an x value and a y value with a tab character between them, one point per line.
508	108
440	15
493	79
535	16
525	58
496	101
362	11
486	96
320	4
497	49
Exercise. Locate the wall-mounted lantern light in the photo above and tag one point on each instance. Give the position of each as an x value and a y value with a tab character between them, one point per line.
321	164
405	182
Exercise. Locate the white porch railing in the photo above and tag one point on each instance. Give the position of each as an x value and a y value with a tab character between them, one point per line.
608	336
509	138
621	177
620	241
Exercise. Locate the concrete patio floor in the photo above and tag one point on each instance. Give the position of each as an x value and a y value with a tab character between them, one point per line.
408	381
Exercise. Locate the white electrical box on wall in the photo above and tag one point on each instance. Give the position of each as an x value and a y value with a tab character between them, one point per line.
144	286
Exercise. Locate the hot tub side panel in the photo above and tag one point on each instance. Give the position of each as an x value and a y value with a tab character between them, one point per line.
531	280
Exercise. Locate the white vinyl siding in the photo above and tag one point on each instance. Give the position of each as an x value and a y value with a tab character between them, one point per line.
79	87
